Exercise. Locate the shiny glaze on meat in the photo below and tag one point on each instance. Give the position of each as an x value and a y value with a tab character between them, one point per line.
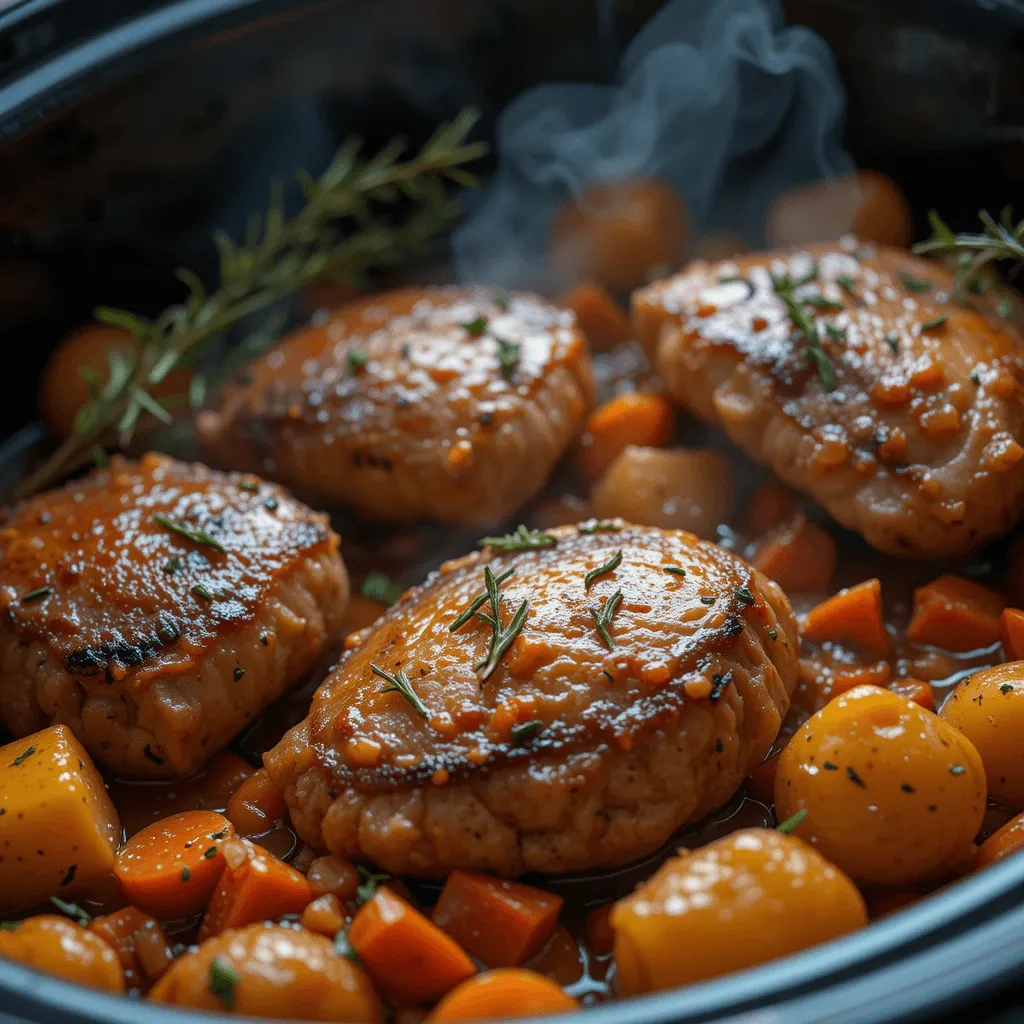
919	446
655	732
110	602
399	405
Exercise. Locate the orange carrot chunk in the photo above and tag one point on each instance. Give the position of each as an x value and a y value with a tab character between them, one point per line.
853	615
140	943
633	418
407	955
255	886
256	805
1011	632
171	867
917	690
503	995
500	923
800	557
600	317
1009	839
955	614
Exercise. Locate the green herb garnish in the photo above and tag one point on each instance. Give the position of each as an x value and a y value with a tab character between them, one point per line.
371	883
343	946
185	874
196	536
23	757
745	595
72	910
378	586
357	358
707	599
603	618
847	284
820	302
792	822
676	570
173	564
500	298
246	485
399	683
223	978
733	279
957	769
239	672
834	333
476	326
508	357
476	603
1006	688
201	591
610	566
210	853
785	288
9	926
35	595
893	341
593	526
855	778
914	284
521	539
501	638
525	731
931	325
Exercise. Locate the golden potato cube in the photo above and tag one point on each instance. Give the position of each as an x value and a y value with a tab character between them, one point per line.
58	828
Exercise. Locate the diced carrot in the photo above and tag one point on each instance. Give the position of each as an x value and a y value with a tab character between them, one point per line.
140	944
324	915
255	886
634	418
800	557
955	614
761	782
501	923
1011	631
560	959
916	690
853	615
503	995
600	317
407	955
170	868
770	505
1009	839
256	805
846	677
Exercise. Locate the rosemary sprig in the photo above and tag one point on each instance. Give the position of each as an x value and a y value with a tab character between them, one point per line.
501	637
278	257
603	618
476	604
508	357
1002	240
399	683
610	566
595	526
521	539
196	536
378	586
785	288
793	821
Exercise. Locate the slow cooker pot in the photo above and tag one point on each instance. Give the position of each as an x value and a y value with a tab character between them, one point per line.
130	130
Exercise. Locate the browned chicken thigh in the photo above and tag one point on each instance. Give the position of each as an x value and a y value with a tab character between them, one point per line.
156	607
906	423
638	675
450	404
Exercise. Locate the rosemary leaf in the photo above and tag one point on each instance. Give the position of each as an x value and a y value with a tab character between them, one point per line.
525	731
399	683
521	539
594	526
508	357
196	536
476	603
610	566
603	618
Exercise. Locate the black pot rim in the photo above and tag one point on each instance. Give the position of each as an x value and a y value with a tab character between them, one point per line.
958	944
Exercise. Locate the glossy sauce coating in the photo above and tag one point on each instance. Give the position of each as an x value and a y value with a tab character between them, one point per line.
108	609
695	686
448	404
740	901
918	447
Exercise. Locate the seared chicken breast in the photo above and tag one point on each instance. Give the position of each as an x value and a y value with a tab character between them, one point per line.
155	607
448	404
622	684
905	418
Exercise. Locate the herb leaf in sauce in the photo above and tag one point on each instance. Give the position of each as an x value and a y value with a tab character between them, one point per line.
521	539
476	326
931	325
343	946
72	910
476	603
371	883
914	284
792	822
603	618
676	570
501	638
357	359
610	566
35	595
596	526
508	357
196	536
23	757
500	298
785	288
399	683
525	731
223	978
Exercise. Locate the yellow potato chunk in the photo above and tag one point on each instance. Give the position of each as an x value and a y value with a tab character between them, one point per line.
58	829
988	708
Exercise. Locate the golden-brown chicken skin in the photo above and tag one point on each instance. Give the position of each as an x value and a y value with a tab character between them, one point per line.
152	646
579	750
917	447
448	404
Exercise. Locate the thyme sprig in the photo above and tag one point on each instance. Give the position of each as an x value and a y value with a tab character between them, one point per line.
279	256
399	683
521	539
1000	240
603	618
502	637
785	287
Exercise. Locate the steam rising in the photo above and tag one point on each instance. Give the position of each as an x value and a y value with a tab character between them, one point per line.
716	97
